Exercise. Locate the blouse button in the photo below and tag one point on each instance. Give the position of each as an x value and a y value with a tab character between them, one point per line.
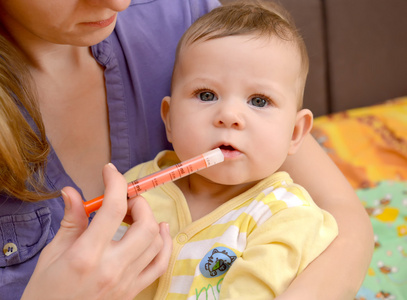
9	249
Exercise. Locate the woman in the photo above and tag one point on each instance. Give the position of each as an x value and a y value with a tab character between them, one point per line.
77	259
101	103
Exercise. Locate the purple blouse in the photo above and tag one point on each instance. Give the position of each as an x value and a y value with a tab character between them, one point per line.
138	58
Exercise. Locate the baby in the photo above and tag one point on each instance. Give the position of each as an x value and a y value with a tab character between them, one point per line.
241	229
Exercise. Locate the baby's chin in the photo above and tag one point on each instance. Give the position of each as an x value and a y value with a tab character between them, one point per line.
230	180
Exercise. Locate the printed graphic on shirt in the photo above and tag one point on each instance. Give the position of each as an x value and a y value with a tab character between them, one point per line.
217	262
208	292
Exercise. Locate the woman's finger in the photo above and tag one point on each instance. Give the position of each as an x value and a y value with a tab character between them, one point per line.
159	265
144	229
109	217
147	268
72	227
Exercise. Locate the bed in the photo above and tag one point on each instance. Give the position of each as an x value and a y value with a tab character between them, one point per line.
357	90
369	145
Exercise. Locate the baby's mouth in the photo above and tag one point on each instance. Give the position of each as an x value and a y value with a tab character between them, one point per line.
229	151
226	148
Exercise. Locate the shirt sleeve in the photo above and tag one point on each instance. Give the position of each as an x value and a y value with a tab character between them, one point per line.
277	251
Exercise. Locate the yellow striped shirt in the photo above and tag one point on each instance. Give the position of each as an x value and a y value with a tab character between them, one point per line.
251	247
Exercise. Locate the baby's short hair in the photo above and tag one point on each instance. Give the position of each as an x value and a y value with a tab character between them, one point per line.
248	17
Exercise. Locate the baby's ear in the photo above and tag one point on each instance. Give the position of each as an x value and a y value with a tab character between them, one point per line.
303	125
165	116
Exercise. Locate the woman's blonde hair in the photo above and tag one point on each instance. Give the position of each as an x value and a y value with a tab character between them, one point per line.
23	149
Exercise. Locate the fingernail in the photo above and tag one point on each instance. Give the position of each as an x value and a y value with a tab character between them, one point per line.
112	166
67	200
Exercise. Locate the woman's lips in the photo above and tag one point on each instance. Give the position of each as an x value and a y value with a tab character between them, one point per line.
101	24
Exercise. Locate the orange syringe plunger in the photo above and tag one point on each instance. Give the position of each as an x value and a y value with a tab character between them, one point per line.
172	173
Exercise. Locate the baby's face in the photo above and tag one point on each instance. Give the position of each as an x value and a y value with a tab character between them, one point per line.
238	93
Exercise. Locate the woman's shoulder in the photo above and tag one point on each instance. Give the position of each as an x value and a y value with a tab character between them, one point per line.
208	4
150	23
195	8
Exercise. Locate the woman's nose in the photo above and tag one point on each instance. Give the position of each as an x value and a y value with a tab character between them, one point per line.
115	5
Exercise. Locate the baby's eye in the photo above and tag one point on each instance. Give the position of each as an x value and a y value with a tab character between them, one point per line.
207	96
258	101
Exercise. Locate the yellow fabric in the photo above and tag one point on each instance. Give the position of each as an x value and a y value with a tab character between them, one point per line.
368	144
251	247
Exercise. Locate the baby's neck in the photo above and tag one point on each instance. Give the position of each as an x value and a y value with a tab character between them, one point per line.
203	196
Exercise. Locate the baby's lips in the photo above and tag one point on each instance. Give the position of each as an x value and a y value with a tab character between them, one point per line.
229	151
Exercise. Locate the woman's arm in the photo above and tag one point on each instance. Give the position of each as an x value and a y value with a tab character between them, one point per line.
339	271
84	263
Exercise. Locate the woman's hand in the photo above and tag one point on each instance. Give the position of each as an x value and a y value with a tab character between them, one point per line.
84	263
